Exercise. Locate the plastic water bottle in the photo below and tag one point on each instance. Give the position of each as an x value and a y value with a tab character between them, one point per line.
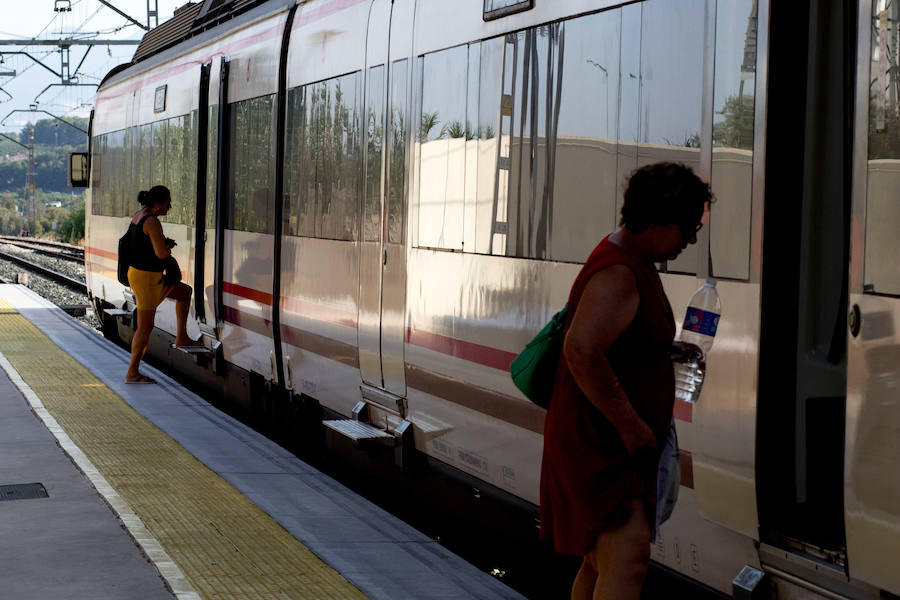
701	320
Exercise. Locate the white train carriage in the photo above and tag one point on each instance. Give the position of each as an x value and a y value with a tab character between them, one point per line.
379	202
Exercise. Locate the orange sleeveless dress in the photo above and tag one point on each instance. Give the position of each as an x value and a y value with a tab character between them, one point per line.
587	476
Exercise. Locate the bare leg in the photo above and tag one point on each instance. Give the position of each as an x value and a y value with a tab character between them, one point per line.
585	581
182	296
621	557
145	319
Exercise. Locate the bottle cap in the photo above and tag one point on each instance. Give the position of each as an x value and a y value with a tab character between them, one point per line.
711	281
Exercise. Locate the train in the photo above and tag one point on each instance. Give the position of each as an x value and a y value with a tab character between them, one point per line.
379	202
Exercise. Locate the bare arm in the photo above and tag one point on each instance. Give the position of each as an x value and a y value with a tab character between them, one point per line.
607	307
153	229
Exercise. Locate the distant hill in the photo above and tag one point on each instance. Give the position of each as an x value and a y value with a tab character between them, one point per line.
53	141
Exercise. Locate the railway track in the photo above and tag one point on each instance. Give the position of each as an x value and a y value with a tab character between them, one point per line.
66	290
69	282
46	247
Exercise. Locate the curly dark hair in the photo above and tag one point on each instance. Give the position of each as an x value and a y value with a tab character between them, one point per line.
156	195
664	193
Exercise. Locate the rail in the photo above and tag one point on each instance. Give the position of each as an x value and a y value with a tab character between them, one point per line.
65	280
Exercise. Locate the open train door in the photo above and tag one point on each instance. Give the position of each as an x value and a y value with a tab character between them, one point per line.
382	277
802	396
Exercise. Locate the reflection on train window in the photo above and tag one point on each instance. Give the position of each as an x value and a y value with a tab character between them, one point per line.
157	153
399	133
181	170
443	133
250	172
212	154
525	139
732	153
145	153
322	160
586	157
96	170
881	274
374	146
672	39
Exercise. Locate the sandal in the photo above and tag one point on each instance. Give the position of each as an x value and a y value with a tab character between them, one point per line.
140	379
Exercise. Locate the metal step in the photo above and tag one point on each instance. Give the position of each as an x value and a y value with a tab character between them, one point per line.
209	349
357	430
116	313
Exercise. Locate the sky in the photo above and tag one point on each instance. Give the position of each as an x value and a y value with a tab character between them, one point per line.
88	19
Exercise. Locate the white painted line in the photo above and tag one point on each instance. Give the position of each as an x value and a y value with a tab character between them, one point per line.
149	545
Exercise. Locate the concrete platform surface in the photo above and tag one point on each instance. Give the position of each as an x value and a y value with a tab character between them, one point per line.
380	555
68	546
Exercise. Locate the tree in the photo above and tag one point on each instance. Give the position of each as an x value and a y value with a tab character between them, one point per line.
735	130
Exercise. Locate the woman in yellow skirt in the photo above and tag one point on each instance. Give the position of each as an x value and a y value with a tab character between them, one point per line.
150	249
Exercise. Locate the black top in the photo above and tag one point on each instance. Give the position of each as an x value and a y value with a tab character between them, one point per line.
143	256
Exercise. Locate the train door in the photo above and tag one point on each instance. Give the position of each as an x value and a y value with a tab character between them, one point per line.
802	399
872	466
382	249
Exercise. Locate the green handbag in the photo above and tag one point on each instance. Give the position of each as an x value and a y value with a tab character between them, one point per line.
534	369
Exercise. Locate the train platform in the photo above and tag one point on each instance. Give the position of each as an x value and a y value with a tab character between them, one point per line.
148	491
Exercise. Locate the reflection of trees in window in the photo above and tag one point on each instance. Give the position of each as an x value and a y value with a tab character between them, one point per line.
374	136
251	165
397	158
211	158
735	130
323	160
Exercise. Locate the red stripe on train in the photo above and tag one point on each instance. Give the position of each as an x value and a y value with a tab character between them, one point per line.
102	253
483	355
248	293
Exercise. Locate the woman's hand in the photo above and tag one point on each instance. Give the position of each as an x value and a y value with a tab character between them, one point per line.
170	243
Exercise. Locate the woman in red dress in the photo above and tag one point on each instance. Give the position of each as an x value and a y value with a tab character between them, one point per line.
614	392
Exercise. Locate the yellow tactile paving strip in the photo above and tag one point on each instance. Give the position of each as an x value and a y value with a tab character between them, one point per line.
226	546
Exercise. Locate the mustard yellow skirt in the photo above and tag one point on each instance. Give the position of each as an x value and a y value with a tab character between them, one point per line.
148	288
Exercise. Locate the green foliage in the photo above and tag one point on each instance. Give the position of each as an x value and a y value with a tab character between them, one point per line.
71	229
735	130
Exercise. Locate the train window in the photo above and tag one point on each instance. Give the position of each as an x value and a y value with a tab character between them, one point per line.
96	169
443	135
157	154
300	152
337	204
251	165
732	153
397	157
585	172
374	147
881	274
116	186
322	160
180	173
145	152
672	39
129	196
212	154
488	118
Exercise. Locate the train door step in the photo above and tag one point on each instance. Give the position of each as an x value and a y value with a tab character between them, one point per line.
116	313
208	350
359	431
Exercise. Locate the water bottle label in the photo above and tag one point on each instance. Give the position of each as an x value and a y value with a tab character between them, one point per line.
701	321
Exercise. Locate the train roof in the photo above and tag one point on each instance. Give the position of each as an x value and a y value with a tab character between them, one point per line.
194	21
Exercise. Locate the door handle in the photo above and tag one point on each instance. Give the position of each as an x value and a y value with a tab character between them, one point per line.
384	256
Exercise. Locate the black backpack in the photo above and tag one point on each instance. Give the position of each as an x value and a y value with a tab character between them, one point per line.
125	251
